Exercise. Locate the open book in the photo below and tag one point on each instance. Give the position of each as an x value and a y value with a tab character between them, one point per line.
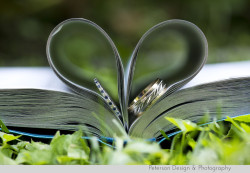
92	89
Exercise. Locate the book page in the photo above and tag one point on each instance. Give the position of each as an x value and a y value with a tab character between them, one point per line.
33	78
173	51
30	77
225	85
220	71
217	99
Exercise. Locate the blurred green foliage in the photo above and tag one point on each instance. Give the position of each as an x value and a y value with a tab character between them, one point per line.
214	144
25	25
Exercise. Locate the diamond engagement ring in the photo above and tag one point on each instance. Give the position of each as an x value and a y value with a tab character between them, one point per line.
147	97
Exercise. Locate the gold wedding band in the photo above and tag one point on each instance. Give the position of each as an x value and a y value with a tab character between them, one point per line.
147	97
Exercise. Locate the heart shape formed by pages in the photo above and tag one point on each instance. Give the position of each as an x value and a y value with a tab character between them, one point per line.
79	50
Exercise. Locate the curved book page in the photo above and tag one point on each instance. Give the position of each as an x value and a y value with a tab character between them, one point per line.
78	51
174	51
231	97
44	109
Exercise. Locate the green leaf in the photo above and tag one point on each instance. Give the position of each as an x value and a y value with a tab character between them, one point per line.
66	160
245	127
65	144
165	135
37	146
214	138
190	126
8	137
36	157
191	142
234	123
7	150
243	118
183	125
3	127
118	158
4	160
22	144
142	147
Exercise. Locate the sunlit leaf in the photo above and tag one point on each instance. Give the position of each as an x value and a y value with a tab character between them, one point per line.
243	118
191	142
184	125
3	127
234	123
245	127
8	137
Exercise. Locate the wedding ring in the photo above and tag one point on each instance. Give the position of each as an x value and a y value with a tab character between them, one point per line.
107	98
147	97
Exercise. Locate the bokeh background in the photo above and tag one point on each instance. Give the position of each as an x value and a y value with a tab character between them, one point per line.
25	25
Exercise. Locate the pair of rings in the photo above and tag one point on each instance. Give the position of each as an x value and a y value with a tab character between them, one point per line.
142	102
